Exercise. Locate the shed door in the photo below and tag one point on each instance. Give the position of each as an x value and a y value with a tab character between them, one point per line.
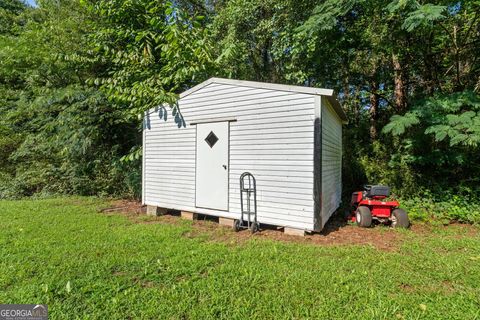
211	185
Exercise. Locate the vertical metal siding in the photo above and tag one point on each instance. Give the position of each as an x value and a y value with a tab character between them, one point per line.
272	138
331	161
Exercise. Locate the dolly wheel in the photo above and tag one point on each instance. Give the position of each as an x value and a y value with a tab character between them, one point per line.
236	225
254	227
400	219
363	217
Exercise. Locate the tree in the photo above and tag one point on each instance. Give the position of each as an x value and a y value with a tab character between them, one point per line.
64	137
152	51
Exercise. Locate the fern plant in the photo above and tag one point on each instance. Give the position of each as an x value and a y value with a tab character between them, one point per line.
454	117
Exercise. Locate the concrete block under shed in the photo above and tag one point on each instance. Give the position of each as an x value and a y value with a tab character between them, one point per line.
187	215
294	232
226	222
156	211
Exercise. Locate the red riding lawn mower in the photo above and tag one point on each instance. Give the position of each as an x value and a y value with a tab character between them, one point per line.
370	204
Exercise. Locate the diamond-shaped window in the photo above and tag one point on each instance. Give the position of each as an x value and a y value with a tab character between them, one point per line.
211	139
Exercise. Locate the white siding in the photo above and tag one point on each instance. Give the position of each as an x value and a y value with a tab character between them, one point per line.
331	161
272	138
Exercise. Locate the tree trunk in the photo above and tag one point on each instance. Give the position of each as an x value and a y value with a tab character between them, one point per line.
430	72
400	91
373	110
356	106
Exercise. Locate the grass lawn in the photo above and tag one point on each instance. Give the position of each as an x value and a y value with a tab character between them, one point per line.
86	264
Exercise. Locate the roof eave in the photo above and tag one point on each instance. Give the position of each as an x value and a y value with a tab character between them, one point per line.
338	108
259	85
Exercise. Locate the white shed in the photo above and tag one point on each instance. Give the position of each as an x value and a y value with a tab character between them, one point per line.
288	137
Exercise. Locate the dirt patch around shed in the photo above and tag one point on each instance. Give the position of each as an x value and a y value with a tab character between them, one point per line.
337	232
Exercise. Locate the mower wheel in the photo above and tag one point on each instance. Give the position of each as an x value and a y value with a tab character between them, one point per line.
363	217
400	219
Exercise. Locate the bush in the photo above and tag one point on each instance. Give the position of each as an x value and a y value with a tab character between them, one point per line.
445	209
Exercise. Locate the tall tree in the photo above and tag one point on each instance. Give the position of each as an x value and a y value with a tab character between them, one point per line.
152	49
65	137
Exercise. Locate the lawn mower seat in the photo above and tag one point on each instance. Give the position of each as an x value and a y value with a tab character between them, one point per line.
377	191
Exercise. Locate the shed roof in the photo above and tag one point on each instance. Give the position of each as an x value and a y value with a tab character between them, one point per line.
328	93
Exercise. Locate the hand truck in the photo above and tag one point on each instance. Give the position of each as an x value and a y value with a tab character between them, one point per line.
248	204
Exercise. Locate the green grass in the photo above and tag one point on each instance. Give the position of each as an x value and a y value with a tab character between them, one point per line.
86	264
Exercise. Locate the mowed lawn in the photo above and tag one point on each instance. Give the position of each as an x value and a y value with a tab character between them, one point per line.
87	264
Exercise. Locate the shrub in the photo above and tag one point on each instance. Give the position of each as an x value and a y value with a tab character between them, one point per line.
445	209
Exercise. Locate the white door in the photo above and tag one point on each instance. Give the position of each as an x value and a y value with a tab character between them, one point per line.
211	177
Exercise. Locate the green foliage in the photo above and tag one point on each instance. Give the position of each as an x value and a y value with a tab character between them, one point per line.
455	116
59	136
398	124
153	50
441	135
380	167
10	15
444	208
134	155
325	16
254	37
424	16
